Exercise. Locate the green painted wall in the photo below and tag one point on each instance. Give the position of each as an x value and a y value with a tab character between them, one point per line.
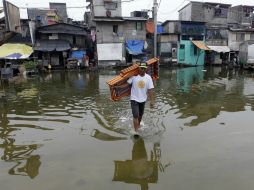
190	55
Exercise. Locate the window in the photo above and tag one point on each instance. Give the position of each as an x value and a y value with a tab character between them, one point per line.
182	46
139	26
217	12
115	29
221	12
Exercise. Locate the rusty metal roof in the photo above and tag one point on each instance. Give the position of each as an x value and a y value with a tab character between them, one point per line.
201	45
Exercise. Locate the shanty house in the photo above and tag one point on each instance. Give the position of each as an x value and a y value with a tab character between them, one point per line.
168	40
191	49
54	43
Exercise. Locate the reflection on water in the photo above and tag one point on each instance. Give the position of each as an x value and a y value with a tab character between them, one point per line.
139	170
189	78
104	136
30	168
68	118
201	94
25	163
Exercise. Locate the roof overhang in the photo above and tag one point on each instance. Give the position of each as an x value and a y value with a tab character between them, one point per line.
81	33
51	45
201	45
219	49
108	19
134	19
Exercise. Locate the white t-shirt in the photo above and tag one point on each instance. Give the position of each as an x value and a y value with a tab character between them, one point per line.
139	87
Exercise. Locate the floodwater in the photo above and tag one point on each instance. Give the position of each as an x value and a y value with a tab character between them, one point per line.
62	131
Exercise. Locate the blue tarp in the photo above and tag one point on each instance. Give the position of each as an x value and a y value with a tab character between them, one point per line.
159	29
14	56
79	54
135	47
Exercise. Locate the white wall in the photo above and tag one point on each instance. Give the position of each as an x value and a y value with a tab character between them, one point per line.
110	52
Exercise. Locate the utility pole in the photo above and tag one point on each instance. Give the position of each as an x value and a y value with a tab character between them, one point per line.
155	9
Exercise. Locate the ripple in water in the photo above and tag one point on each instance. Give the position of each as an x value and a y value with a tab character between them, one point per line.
151	127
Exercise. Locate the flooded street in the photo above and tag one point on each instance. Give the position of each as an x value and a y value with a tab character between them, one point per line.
62	131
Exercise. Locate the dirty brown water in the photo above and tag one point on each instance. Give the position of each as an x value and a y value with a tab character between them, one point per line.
61	131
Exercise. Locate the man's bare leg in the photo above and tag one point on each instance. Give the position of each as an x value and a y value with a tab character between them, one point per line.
139	120
136	123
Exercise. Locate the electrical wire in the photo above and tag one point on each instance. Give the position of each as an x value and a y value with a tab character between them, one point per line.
159	4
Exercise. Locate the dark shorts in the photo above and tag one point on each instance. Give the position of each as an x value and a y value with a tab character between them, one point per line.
137	109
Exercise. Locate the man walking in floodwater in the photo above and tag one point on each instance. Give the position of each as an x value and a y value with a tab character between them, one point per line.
141	86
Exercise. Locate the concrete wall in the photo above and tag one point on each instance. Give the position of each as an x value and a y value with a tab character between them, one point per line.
88	19
168	38
12	17
211	19
101	11
126	31
197	12
237	15
234	41
202	12
234	15
130	32
171	27
105	34
185	13
216	21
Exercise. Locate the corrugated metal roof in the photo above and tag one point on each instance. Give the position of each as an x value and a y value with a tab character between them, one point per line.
82	33
220	48
19	39
108	19
135	18
52	45
201	45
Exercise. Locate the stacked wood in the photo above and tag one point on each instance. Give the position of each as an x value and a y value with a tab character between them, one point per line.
118	85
